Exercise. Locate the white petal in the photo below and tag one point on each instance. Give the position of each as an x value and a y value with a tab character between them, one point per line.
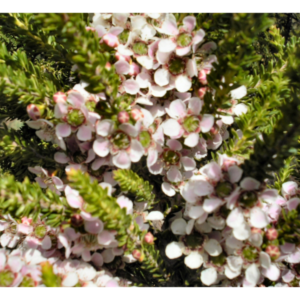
84	133
131	86
265	260
235	263
70	279
192	140
162	77
189	23
155	216
174	175
178	226
195	105
213	247
167	189
239	93
272	273
230	274
203	188
136	150
252	274
121	160
249	184
235	173
258	218
209	276
188	163
101	147
211	204
189	226
207	123
183	83
158	91
242	232
235	218
240	109
194	260
171	128
145	61
174	250
212	171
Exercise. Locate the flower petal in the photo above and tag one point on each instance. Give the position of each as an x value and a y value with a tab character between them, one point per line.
235	173
192	140
121	160
162	77
242	232
235	218
171	128
174	175
252	274
174	250
213	247
194	260
239	93
209	276
178	226
155	216
183	83
168	189
189	23
122	67
211	204
188	163
101	147
84	133
249	184
136	150
63	130
258	218
207	123
131	86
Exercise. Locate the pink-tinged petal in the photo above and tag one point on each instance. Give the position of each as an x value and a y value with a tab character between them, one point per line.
33	257
93	227
86	255
174	175
242	232
195	212
3	225
46	243
293	203
145	61
177	109
258	218
63	130
174	145
61	157
194	260
252	274
183	51
162	77
235	263
76	99
189	23
235	173
288	276
249	184
74	201
101	147
100	30
208	47
112	283
240	109
91	156
143	79
294	258
129	129
187	192
274	212
191	68
271	273
31	242
178	226
97	259
239	93
122	160
171	128
211	204
104	127
213	247
148	118
152	157
230	274
41	182
235	218
198	37
265	260
209	276
163	57
269	196
60	110
24	228
212	171
174	250
35	124
152	49
156	168
125	202
105	237
168	189
84	133
158	91
2	260
131	86
188	163
116	30
122	67
15	263
195	106
138	22
155	216
289	188
215	143
192	140
169	27
99	162
183	83
203	188
136	150
207	123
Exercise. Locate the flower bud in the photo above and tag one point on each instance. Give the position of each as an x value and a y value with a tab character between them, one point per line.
76	221
256	230
123	117
202	92
111	40
273	251
149	238
59	97
34	111
89	28
202	77
108	66
138	255
272	234
137	114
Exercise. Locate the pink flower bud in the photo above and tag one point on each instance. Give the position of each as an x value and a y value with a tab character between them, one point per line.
123	117
89	28
137	114
120	56
272	234
26	221
149	238
59	97
273	251
202	77
33	112
256	230
108	66
134	69
202	92
138	255
110	40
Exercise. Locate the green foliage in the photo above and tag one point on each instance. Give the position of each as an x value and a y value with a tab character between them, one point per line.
49	279
99	204
132	183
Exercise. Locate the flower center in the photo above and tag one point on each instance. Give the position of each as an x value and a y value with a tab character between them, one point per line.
184	39
194	240
40	231
123	37
190	123
27	282
177	66
248	199
90	240
219	260
6	278
250	253
171	157
121	140
145	139
79	157
140	48
223	189
75	117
